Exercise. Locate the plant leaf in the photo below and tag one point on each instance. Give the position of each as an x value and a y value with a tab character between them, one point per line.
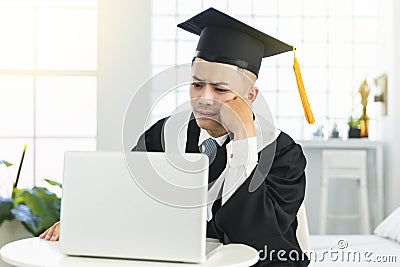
43	204
8	164
51	182
23	214
6	205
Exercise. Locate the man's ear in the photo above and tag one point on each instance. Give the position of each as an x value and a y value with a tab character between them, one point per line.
252	95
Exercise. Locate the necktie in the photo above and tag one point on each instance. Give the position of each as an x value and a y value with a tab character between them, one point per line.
210	148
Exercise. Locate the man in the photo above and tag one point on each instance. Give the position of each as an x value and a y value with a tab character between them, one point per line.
256	187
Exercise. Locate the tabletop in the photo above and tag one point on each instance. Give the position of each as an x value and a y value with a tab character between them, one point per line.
34	252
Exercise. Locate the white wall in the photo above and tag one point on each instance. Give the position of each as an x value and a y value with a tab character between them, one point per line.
124	64
391	123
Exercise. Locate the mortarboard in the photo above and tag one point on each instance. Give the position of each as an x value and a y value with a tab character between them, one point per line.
227	40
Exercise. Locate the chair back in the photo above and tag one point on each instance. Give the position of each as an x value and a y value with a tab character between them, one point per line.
302	233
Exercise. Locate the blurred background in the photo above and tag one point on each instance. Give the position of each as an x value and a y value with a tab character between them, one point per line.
68	69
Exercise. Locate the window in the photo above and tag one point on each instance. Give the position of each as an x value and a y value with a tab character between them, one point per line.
337	48
48	84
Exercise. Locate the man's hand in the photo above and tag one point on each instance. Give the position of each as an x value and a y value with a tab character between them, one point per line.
237	117
52	234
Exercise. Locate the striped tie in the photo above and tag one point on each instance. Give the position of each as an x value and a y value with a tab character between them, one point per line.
210	148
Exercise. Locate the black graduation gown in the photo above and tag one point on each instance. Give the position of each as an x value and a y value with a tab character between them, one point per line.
264	219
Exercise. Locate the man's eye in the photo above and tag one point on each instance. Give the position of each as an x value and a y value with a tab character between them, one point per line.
220	90
196	85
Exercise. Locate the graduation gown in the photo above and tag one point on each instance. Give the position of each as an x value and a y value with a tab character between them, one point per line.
265	218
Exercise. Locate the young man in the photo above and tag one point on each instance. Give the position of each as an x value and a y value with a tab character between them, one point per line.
256	187
260	187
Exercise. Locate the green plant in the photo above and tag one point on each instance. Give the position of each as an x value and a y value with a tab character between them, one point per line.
36	208
353	122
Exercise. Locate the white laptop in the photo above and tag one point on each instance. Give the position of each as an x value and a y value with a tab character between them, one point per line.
105	212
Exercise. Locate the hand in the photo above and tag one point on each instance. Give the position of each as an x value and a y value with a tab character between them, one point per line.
52	234
237	117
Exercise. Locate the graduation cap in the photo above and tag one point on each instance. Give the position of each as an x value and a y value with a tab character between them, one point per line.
227	40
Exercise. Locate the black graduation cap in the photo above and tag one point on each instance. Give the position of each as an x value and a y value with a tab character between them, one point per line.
227	40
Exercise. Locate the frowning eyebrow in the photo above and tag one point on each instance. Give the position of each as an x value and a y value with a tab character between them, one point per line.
213	83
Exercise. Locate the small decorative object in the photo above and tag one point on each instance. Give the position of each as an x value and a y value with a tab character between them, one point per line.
381	97
354	128
319	132
335	131
364	91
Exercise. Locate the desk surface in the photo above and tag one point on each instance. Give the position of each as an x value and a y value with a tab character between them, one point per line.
33	252
362	143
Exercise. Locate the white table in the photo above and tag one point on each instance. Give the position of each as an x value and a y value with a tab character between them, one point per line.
34	252
373	147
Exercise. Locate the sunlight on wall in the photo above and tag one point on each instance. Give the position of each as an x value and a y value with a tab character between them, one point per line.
337	48
48	83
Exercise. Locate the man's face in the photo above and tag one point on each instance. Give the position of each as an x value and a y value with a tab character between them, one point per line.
214	84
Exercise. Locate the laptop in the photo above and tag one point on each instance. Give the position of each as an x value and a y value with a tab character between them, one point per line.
110	210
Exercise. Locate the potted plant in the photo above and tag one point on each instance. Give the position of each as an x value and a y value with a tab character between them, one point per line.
36	208
354	127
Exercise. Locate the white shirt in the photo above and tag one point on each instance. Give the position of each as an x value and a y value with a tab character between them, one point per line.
242	155
241	160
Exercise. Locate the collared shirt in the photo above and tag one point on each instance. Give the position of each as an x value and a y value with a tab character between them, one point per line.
204	135
242	155
241	160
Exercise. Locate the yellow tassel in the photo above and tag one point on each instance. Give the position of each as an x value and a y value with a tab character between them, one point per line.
302	91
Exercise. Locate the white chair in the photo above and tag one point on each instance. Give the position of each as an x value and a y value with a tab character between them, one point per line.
345	164
302	232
